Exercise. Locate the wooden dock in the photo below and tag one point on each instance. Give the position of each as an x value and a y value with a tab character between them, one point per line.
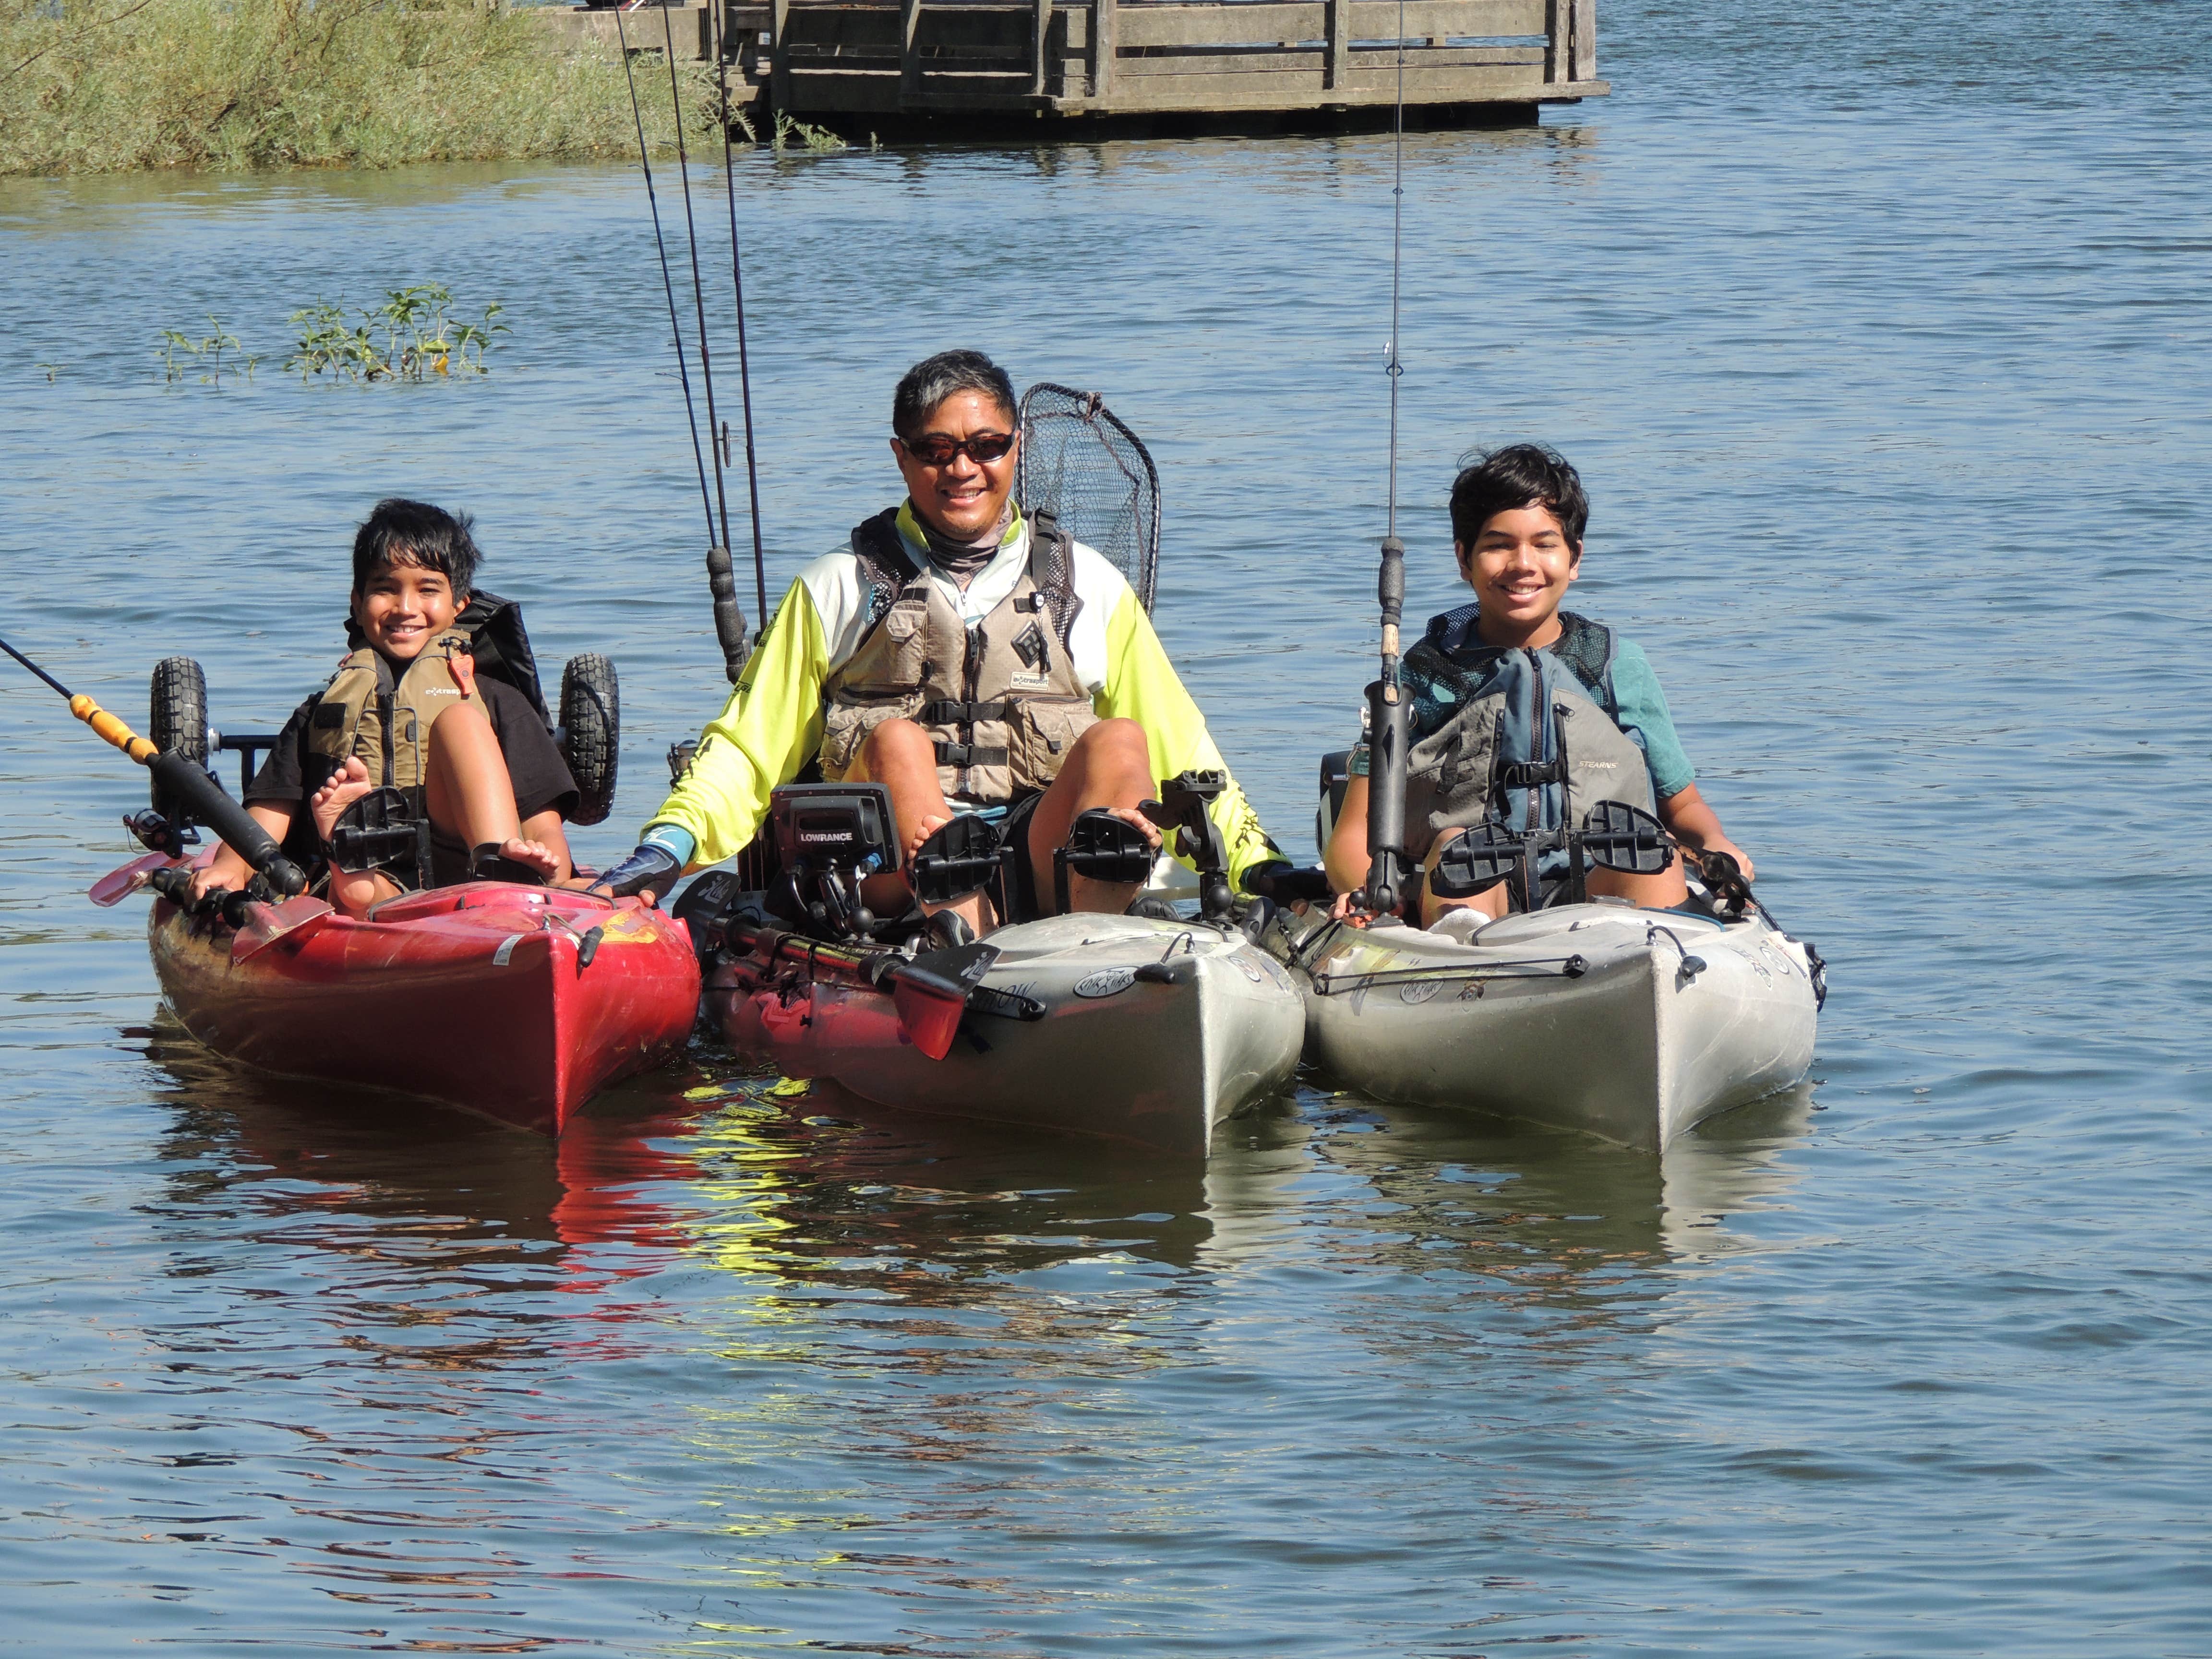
945	67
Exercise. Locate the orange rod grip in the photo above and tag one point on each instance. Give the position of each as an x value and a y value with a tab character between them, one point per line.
112	729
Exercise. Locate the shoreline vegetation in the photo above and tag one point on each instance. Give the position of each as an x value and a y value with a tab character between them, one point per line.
112	86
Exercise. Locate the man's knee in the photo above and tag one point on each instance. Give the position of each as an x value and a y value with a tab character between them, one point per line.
899	739
1119	742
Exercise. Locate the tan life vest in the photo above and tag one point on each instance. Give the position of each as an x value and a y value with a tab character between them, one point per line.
365	711
1002	699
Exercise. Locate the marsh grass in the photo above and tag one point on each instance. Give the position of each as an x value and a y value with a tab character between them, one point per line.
95	86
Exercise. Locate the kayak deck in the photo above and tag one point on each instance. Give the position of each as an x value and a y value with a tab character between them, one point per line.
520	1003
1138	1030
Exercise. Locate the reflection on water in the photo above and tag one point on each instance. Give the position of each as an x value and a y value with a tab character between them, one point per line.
1880	337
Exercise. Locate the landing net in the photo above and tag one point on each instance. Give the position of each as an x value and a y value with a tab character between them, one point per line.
1078	461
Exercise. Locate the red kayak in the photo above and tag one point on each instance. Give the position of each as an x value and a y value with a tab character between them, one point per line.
518	1002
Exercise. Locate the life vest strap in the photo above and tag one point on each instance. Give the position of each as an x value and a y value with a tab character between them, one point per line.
971	754
947	712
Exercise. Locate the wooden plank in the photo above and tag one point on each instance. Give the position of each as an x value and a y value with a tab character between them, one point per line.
1479	19
1267	91
1223	26
1371	19
1315	60
1340	43
1105	45
909	49
1556	66
1584	55
779	53
1040	35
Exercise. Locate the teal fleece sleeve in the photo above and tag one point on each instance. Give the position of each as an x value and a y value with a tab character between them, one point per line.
1643	716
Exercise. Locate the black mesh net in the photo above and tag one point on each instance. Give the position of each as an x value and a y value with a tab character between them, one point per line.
1082	464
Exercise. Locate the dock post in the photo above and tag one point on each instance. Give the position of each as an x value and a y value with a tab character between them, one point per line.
1583	58
1044	39
909	52
1337	70
1556	13
779	54
1104	30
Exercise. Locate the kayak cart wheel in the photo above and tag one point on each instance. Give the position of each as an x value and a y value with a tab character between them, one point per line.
178	720
591	733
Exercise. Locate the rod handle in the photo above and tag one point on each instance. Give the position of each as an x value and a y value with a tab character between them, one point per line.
112	729
729	614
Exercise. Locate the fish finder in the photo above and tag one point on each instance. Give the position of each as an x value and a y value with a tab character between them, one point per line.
828	838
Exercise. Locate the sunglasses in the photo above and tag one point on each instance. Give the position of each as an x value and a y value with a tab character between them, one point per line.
938	450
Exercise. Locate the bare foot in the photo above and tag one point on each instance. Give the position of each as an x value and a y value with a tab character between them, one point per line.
347	785
929	824
532	855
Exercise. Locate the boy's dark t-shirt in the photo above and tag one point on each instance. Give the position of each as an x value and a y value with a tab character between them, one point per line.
541	777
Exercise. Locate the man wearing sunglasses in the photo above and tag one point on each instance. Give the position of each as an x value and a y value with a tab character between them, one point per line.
973	660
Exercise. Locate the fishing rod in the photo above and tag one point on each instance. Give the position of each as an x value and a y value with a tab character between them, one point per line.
738	282
729	618
1388	730
185	780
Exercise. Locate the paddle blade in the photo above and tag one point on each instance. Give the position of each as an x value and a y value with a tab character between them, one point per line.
929	1009
296	919
117	885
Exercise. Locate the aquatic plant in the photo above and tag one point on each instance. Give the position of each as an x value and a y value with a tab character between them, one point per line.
411	337
817	139
182	355
109	85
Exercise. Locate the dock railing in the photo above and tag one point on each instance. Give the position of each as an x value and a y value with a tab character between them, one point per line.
824	59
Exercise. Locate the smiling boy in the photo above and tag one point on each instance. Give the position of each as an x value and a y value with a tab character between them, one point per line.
407	713
1518	516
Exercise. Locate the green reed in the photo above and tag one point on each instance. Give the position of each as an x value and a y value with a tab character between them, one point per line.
110	85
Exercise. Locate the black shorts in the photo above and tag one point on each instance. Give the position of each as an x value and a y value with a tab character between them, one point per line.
1015	827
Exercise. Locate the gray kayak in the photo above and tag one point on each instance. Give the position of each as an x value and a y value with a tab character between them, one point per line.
1122	1026
1628	1024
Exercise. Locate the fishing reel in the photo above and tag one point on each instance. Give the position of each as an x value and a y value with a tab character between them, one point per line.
157	834
829	838
1615	835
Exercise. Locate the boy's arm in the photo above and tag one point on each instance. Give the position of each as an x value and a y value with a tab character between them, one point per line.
1142	686
767	732
228	870
1686	814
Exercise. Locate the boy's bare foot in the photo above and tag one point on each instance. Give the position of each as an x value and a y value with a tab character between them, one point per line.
532	855
347	785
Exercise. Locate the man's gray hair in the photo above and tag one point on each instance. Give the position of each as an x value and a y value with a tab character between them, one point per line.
948	375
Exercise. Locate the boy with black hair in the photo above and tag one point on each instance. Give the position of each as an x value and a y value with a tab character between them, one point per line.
1518	515
407	719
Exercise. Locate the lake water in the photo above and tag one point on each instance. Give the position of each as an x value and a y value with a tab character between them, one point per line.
1882	335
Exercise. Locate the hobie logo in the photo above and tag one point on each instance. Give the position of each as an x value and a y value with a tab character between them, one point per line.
1107	982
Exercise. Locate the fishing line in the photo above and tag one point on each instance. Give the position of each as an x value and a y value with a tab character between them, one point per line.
698	288
667	283
1387	722
738	282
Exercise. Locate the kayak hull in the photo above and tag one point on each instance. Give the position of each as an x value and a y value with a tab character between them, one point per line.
1216	1024
476	996
1630	1024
